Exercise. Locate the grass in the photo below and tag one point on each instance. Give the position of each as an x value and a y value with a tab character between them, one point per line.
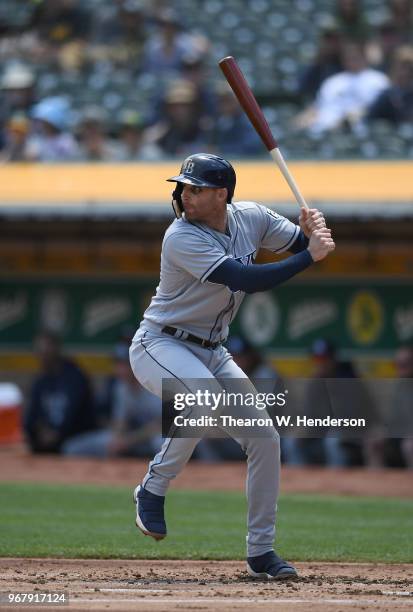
44	520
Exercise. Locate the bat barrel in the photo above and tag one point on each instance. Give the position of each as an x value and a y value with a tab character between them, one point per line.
247	100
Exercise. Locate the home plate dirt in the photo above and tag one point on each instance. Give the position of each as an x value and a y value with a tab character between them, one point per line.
209	585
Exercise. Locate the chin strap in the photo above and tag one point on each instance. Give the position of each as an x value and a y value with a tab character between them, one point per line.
177	200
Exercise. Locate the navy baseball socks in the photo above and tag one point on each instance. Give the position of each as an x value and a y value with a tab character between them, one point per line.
270	567
150	513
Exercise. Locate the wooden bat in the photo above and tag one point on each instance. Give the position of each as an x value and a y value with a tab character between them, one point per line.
246	98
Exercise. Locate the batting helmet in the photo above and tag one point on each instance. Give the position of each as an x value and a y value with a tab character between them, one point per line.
203	170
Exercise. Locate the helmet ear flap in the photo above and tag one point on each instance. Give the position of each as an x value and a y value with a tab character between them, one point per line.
177	200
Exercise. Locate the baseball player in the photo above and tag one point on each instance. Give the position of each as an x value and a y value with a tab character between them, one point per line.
207	266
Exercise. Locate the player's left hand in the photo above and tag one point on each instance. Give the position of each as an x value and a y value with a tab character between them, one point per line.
310	220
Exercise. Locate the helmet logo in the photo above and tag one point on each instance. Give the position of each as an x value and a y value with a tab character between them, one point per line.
189	167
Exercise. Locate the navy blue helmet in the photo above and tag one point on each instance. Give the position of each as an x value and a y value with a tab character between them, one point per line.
203	170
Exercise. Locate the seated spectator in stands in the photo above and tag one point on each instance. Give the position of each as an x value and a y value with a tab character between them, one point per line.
50	141
344	97
105	398
165	49
401	16
180	130
94	142
15	136
135	424
399	451
251	360
395	103
193	71
383	45
350	20
326	63
60	403
61	21
119	34
62	27
233	133
334	451
132	139
17	93
396	30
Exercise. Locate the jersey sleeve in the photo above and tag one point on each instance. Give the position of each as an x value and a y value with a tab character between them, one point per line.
194	254
278	232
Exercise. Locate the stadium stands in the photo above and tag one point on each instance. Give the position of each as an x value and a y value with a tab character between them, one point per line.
271	40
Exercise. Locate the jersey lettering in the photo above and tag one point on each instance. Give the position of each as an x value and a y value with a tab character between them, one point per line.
272	213
246	260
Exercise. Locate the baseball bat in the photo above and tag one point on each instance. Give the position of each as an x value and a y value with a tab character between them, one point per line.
246	98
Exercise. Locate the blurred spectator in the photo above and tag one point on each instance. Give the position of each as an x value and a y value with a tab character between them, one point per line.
60	21
395	103
95	145
344	97
105	400
351	21
119	34
169	45
16	90
180	131
62	28
401	16
381	48
60	404
395	30
326	63
135	423
132	139
334	451
251	360
50	140
399	451
193	69
233	133
16	132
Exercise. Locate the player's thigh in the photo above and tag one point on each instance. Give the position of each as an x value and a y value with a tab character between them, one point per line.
155	357
230	375
224	365
234	380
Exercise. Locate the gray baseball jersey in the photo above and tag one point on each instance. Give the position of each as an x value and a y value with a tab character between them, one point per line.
191	251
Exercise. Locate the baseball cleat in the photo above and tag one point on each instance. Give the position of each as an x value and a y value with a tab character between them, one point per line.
150	513
270	567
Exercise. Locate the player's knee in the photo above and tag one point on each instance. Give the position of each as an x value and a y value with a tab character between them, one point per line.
264	445
275	441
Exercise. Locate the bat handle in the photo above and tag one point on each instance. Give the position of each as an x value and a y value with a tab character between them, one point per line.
279	160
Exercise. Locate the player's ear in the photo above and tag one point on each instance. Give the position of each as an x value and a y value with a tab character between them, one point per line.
222	194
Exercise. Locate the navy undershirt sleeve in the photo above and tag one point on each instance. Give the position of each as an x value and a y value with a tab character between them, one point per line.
300	243
259	277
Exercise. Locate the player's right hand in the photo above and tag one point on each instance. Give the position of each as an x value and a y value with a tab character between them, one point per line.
321	244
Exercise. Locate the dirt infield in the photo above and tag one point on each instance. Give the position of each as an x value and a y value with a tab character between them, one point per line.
18	465
148	585
209	585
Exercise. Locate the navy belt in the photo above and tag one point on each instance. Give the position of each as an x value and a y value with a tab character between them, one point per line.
181	335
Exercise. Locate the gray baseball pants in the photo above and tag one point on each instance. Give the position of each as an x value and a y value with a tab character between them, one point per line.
154	356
